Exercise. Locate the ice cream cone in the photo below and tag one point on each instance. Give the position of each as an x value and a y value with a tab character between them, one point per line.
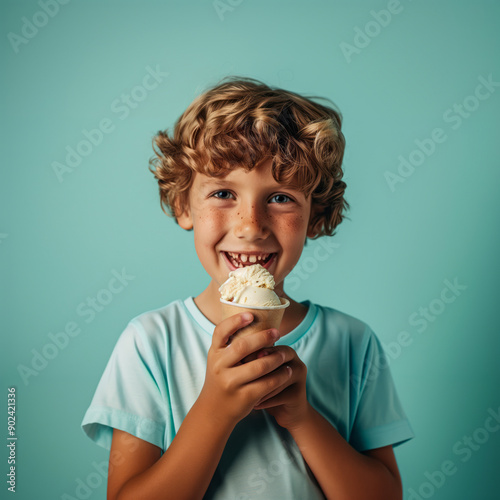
264	317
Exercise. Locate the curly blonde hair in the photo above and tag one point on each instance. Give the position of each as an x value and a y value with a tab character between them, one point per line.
239	123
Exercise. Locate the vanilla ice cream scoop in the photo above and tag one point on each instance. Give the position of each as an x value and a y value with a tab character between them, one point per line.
251	286
256	296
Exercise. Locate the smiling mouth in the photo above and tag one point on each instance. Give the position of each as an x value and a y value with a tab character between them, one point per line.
247	259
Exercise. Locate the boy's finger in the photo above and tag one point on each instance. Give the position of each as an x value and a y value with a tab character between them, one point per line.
258	369
241	348
279	395
228	327
275	383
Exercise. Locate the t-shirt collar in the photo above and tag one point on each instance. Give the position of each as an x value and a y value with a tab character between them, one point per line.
290	338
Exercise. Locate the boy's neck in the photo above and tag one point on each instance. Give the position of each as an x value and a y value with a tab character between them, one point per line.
208	303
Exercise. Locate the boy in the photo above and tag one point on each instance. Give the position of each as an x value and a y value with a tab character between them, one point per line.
254	172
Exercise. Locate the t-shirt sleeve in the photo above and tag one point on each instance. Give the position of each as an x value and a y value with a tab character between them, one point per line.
131	395
379	417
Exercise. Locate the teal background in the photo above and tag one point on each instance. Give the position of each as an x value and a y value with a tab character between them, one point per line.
61	241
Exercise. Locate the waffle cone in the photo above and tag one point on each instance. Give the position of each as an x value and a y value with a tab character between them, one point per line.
264	318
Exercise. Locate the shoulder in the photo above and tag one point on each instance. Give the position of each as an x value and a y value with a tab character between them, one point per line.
338	323
153	328
157	319
341	332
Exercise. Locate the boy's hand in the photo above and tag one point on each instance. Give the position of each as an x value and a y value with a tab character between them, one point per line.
232	388
288	404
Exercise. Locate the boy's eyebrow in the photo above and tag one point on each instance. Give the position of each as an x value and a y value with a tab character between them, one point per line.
215	182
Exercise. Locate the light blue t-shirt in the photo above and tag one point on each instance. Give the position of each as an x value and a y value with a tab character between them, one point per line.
157	370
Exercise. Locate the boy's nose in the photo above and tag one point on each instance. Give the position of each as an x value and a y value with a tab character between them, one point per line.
251	224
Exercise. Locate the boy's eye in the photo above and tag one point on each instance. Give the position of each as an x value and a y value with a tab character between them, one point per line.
281	198
222	195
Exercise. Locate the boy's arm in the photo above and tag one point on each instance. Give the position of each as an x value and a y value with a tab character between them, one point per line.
342	472
137	469
230	392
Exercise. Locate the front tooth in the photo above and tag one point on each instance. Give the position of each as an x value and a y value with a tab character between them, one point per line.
243	257
252	258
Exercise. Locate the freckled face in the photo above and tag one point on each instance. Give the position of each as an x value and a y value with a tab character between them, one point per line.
246	217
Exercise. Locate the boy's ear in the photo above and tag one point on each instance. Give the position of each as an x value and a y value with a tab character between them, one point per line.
311	233
185	220
311	230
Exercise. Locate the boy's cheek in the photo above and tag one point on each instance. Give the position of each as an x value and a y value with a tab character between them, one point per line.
295	225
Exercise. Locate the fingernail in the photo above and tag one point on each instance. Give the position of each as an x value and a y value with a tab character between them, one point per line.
275	334
247	316
289	370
